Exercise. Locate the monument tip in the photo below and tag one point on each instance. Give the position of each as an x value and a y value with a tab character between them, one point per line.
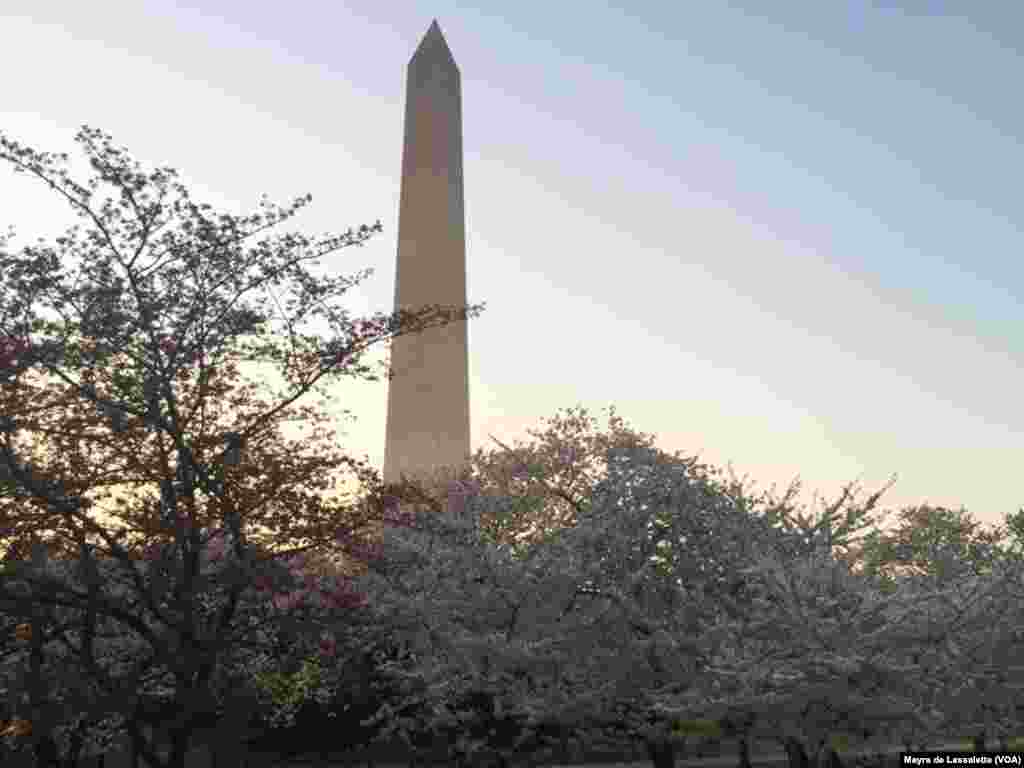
434	42
434	30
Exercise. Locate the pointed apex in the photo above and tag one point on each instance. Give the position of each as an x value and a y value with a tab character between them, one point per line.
434	35
434	42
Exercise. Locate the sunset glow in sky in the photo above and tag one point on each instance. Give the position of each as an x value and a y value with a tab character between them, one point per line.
786	239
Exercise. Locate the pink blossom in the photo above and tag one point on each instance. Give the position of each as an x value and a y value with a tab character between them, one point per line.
318	591
10	350
328	646
296	562
289	601
216	548
520	470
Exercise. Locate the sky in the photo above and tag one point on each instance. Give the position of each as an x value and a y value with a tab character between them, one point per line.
782	236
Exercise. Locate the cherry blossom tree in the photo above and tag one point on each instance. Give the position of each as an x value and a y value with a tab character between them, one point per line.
928	540
599	591
536	489
119	401
782	639
284	670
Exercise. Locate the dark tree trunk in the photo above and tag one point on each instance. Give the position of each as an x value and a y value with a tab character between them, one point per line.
76	745
744	753
46	751
829	758
662	754
796	753
979	741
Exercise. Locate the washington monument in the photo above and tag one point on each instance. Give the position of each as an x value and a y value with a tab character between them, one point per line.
428	398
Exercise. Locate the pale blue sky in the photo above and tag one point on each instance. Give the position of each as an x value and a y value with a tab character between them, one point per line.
787	238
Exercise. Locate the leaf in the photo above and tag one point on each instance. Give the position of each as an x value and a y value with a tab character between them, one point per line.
697	727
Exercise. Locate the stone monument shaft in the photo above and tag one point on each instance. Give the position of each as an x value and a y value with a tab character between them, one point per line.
428	398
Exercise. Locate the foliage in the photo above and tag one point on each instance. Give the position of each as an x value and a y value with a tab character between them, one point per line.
523	496
587	617
121	355
931	542
582	581
595	625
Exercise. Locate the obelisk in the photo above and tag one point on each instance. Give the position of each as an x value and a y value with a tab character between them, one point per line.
428	396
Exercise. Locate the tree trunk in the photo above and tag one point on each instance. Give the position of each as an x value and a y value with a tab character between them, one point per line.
662	754
796	753
979	741
46	751
744	748
829	758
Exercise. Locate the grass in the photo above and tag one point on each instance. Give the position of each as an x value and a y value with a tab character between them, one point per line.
1015	744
